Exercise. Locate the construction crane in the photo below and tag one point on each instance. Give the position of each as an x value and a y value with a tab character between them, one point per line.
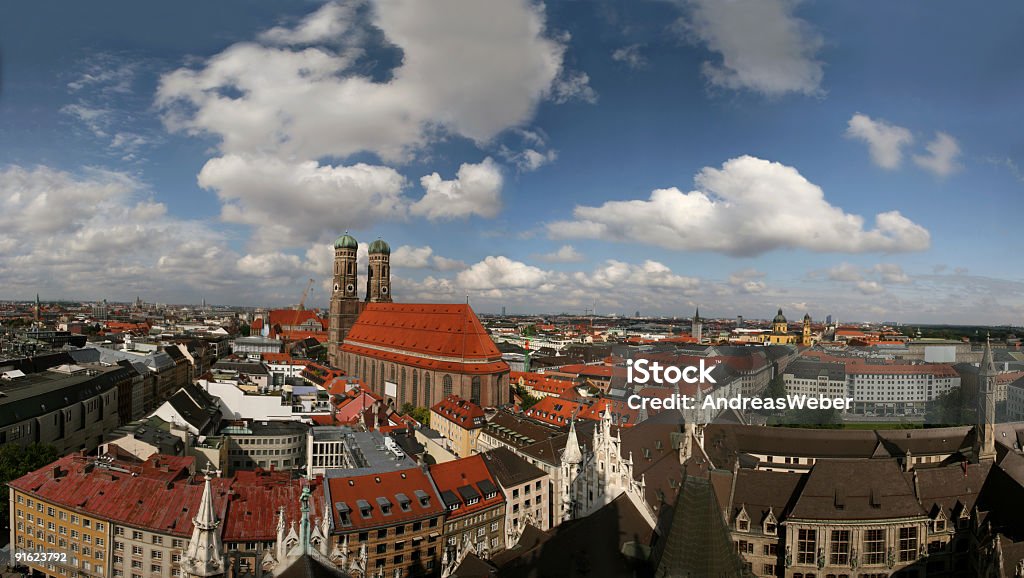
302	302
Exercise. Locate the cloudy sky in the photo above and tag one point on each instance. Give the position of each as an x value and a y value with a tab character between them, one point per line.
859	159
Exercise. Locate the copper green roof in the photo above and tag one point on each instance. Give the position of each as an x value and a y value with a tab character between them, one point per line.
346	241
379	247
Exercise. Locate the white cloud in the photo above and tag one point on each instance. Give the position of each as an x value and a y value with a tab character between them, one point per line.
885	141
564	254
650	274
501	273
573	85
845	272
95	232
941	159
762	46
410	257
290	204
748	207
468	68
476	190
891	273
328	23
630	56
748	281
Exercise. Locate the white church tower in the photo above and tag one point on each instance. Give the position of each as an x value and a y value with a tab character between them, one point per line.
204	556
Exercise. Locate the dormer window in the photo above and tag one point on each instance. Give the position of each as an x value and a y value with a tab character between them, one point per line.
423	498
404	502
940	525
344	514
364	508
742	520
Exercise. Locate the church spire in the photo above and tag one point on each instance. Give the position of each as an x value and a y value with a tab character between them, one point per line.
985	434
572	453
203	556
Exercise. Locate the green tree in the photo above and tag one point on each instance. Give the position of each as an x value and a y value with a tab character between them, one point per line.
530	331
16	461
245	330
947	409
528	400
418	413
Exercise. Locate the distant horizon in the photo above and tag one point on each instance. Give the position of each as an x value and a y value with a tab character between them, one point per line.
653	156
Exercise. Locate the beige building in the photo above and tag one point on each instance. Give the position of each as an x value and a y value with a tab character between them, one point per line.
460	422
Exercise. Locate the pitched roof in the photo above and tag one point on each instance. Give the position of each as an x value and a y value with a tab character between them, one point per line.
423	331
466	485
554	410
856	490
698	542
351	496
294	317
510	469
256	498
462	412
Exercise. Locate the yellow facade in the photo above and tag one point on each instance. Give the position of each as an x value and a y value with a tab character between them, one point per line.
80	543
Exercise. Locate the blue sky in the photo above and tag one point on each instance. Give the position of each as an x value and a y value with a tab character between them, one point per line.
859	159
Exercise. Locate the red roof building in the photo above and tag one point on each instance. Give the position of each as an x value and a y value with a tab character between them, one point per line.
474	504
459	422
554	410
396	516
419	353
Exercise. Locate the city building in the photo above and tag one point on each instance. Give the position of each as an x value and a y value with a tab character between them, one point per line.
460	422
273	444
421	353
474	505
526	490
386	523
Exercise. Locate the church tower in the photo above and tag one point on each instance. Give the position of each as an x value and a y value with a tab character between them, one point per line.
204	556
572	458
344	298
697	326
985	429
378	278
779	324
807	330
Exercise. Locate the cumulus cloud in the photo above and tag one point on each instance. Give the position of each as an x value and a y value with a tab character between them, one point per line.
573	85
290	204
410	257
885	141
941	159
630	56
748	207
650	274
85	234
564	254
476	190
761	45
868	281
291	96
748	281
501	273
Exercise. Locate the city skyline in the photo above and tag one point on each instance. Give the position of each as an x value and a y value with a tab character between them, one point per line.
656	157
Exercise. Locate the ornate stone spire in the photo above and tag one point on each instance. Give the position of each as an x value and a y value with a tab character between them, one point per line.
204	554
985	434
572	453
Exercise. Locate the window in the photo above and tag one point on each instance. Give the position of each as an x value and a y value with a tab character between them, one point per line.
908	544
874	546
769	569
136	550
840	551
744	547
806	544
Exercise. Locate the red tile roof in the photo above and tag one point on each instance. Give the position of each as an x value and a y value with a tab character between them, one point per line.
554	410
462	412
161	495
259	495
292	317
282	359
365	490
436	337
459	480
622	414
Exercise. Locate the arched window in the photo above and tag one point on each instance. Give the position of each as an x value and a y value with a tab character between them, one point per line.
401	387
474	391
373	375
415	385
447	386
427	392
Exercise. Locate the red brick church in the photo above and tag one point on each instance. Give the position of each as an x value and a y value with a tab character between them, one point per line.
412	352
